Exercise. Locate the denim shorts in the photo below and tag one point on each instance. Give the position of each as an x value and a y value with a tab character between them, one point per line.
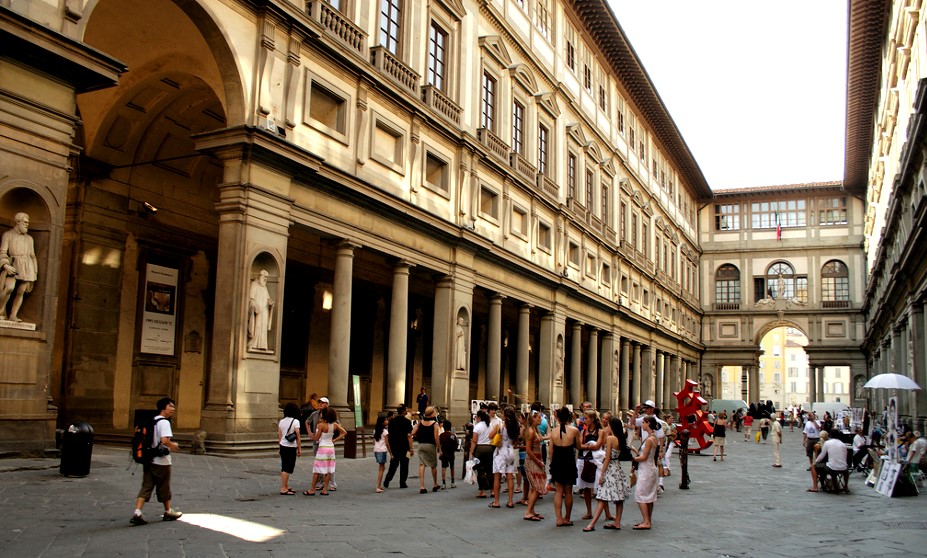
380	456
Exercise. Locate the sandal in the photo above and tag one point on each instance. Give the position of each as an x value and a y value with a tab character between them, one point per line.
494	506
379	490
288	492
531	518
307	493
510	505
811	490
588	529
611	526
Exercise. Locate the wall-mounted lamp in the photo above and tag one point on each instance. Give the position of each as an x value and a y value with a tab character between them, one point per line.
147	210
326	300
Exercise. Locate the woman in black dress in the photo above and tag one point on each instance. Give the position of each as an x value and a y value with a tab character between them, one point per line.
564	440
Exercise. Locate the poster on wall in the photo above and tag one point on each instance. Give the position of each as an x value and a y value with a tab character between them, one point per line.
159	316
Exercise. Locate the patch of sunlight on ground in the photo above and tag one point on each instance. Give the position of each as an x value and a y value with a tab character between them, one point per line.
245	530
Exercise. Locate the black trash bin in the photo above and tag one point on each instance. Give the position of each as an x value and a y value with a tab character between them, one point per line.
76	449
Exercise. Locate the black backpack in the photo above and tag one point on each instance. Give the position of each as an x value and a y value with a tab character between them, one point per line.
143	439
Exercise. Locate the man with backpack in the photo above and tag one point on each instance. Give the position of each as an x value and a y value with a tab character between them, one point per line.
157	472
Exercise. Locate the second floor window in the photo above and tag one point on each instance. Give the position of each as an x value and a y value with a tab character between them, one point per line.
835	282
833	211
769	215
488	114
437	55
727	217
571	176
518	127
543	148
390	17
727	284
605	206
590	184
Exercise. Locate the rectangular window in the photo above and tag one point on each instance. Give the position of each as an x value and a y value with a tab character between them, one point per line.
769	215
631	137
327	108
543	148
542	18
727	217
390	17
573	253
835	288
833	211
643	154
590	265
571	176
544	236
436	172
437	55
488	110
645	239
727	291
571	56
634	231
489	203
587	77
603	98
622	221
605	206
519	221
590	185
518	127
621	123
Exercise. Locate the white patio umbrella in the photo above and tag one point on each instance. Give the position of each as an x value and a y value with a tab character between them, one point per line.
891	381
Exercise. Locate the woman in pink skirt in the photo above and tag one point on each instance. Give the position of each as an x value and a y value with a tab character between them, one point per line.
327	433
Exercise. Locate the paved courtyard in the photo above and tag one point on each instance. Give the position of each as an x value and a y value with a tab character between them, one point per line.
741	507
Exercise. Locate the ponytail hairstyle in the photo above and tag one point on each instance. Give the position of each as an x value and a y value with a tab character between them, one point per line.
482	415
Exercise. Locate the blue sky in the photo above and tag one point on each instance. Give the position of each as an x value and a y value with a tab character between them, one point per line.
758	89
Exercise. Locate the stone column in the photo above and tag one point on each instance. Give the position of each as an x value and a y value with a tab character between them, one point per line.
523	355
636	390
576	363
919	373
812	384
647	372
608	399
442	348
753	374
339	352
659	389
675	384
624	382
592	368
494	346
398	335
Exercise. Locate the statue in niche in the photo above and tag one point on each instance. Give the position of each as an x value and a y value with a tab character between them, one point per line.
260	313
558	372
858	390
461	342
706	389
19	268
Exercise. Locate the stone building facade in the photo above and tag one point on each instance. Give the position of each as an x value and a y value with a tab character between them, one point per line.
239	203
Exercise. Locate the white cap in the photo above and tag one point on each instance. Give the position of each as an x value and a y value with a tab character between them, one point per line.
323	400
649	403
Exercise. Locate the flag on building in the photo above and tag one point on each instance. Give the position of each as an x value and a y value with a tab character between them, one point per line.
778	227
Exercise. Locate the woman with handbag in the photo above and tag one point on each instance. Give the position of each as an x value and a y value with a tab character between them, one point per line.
590	464
613	483
505	459
426	434
646	488
288	432
481	449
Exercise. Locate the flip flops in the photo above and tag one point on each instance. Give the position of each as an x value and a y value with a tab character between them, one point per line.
288	492
531	518
611	526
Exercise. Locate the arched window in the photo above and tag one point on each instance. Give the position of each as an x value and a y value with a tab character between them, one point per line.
782	282
727	287
835	285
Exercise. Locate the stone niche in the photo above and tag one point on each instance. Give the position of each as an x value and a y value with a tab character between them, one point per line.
26	200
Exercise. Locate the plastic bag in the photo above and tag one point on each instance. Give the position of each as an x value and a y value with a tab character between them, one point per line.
470	474
758	437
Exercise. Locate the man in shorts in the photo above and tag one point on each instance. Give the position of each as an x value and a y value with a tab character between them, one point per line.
157	474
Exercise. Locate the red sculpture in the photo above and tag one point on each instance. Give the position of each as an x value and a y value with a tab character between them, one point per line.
692	417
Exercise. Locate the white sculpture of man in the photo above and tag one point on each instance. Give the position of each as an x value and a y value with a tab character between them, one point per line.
19	268
461	345
558	374
260	307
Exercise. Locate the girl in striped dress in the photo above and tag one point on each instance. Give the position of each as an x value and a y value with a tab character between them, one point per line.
327	433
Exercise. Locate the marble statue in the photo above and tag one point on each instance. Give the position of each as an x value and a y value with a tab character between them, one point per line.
558	373
461	342
260	312
19	268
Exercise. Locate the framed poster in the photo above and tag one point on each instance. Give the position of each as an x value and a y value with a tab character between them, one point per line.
159	313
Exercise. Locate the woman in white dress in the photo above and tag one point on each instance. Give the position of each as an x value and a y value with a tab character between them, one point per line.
647	476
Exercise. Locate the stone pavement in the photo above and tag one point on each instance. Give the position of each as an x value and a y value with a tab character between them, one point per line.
739	507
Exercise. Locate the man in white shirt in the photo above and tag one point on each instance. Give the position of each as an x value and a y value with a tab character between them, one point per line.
833	458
